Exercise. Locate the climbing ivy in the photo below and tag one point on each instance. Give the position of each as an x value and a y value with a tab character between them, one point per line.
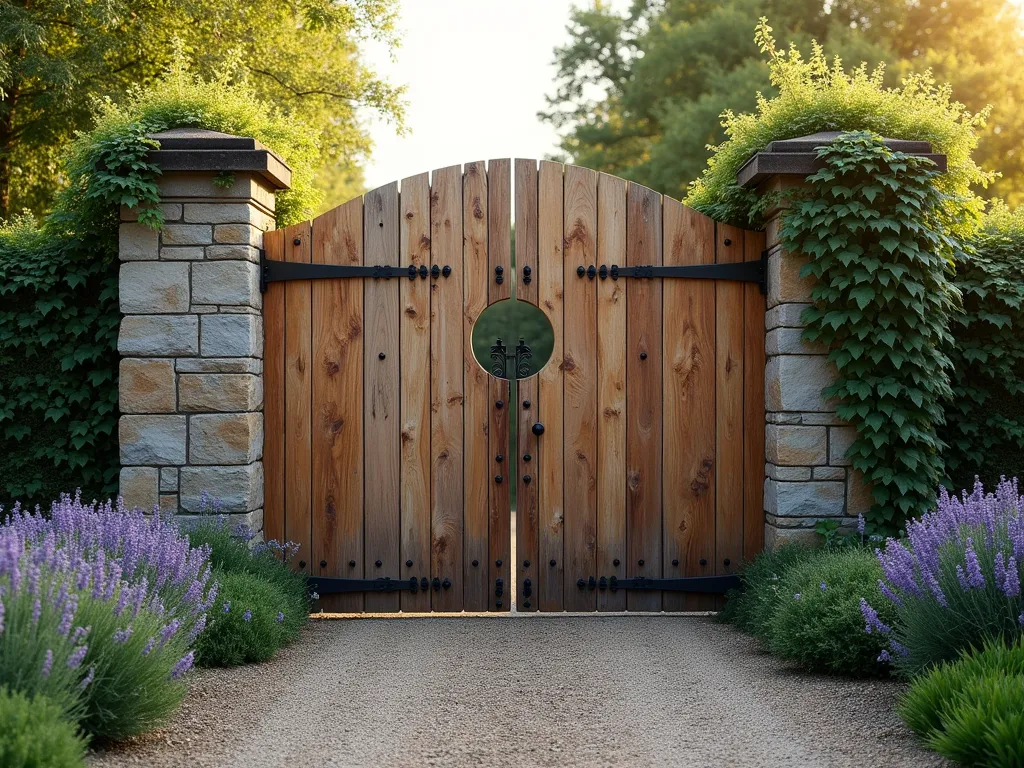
876	230
985	418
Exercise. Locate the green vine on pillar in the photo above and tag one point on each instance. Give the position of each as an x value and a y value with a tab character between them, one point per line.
877	231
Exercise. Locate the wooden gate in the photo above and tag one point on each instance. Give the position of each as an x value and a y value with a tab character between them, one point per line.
385	438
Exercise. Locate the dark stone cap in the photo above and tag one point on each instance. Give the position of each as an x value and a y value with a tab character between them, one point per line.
798	157
197	149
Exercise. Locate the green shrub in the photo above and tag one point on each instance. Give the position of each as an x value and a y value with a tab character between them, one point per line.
36	733
972	710
816	95
231	552
248	623
817	620
985	417
751	608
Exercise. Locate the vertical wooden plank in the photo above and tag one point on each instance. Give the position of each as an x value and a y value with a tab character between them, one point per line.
549	383
580	378
611	391
499	228
500	506
381	422
526	231
753	404
689	381
414	367
273	396
499	254
643	396
476	465
446	390
298	400
337	439
729	406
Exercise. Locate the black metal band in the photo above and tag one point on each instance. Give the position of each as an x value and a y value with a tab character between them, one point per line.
755	271
324	585
272	271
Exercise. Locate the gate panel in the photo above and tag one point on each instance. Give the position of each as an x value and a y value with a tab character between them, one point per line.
581	377
381	405
550	569
446	391
337	442
273	397
689	381
414	368
729	407
753	405
477	464
643	396
611	391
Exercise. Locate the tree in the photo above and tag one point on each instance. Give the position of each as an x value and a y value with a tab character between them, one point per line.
57	57
640	94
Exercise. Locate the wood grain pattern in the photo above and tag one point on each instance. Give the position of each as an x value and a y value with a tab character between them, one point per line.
549	276
611	391
476	465
643	396
499	227
526	230
446	387
729	406
381	421
337	428
580	382
753	404
500	506
689	422
298	402
414	366
273	397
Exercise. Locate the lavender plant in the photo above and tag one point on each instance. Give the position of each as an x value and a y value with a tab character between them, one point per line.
955	580
101	606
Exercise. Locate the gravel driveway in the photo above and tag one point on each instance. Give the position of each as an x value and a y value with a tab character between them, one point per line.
527	691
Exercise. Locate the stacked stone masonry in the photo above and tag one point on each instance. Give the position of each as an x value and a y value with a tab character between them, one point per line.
807	475
191	341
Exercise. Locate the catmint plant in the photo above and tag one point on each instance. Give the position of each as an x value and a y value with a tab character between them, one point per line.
955	579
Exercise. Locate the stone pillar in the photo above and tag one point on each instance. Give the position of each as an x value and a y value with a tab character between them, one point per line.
808	477
191	337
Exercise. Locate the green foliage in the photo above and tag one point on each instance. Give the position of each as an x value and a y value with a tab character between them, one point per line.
816	96
876	229
56	57
750	609
132	690
36	733
817	620
639	93
59	313
972	710
985	417
248	623
232	554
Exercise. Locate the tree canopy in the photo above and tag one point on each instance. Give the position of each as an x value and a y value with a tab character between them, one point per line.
640	94
57	58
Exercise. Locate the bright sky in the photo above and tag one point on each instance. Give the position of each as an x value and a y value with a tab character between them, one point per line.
477	72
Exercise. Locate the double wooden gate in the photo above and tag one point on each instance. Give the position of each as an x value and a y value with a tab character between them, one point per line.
640	443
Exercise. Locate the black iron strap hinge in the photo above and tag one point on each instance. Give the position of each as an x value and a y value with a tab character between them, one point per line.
717	585
326	585
272	271
755	271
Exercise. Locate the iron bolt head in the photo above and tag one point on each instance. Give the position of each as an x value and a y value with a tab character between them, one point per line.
703	561
378	563
728	241
640	562
476	563
643	355
351	563
500	457
726	561
675	562
538	429
616	561
527	457
552	562
527	479
323	563
526	563
499	404
297	241
302	563
408	563
526	403
526	604
381	356
498	563
498	479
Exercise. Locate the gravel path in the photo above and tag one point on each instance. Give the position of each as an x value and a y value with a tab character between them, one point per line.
527	691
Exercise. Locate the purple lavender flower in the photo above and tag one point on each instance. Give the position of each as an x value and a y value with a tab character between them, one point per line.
280	617
884	657
76	657
47	664
823	586
871	620
227	606
183	665
149	646
87	680
121	636
1011	582
37	611
861	525
1	614
974	576
169	631
247	616
79	634
68	615
197	628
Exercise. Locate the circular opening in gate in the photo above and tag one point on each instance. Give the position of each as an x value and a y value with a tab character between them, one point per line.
512	340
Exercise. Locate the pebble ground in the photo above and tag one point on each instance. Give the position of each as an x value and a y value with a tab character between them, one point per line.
524	691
